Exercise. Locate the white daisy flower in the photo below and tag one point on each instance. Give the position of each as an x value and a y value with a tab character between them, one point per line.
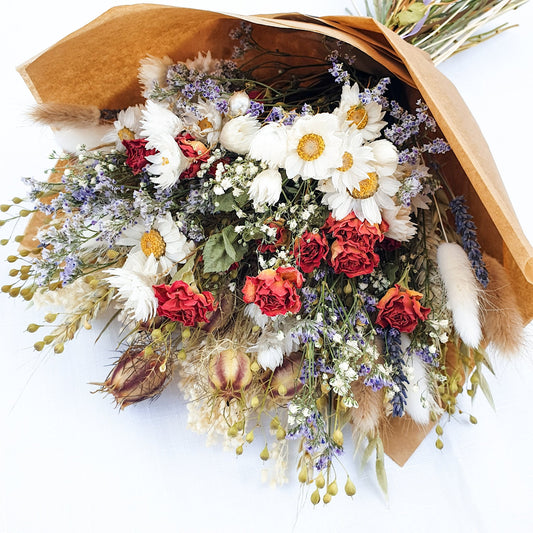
157	121
270	145
134	283
353	114
366	200
313	147
357	162
237	134
126	127
385	156
167	164
152	73
204	123
401	227
266	187
164	242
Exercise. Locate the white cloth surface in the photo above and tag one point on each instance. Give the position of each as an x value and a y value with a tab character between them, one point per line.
71	463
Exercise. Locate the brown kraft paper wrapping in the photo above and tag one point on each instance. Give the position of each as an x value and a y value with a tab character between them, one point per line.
97	65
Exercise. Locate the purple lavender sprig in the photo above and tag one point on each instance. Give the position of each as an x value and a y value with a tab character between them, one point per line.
394	357
467	230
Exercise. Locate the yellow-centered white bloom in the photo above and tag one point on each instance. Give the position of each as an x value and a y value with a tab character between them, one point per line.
204	123
313	147
167	164
126	128
164	242
159	121
356	162
237	134
367	119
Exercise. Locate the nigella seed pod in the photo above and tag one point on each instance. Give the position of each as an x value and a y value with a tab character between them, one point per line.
230	373
222	314
137	376
286	378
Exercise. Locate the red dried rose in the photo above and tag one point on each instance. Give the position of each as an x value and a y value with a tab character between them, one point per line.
181	304
274	291
194	150
350	228
137	152
309	250
348	258
400	308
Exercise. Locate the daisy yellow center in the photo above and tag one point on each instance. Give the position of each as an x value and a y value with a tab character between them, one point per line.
367	187
153	243
310	147
347	162
165	161
125	134
204	124
357	116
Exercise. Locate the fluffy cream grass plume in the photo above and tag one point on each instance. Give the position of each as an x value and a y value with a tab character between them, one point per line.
503	326
65	115
462	292
366	418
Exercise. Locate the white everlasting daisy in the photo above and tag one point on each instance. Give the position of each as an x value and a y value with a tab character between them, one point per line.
313	147
134	283
153	73
237	134
157	121
202	63
401	227
126	127
357	162
167	164
238	104
266	187
385	157
367	119
164	242
270	145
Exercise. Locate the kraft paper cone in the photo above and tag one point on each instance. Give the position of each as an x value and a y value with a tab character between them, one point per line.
97	65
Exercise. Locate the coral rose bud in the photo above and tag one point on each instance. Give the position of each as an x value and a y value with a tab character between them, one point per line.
230	373
137	376
287	377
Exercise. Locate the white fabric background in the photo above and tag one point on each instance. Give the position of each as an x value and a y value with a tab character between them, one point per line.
70	462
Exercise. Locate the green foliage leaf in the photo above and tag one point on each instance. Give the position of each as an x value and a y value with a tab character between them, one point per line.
380	466
185	272
412	14
222	250
226	202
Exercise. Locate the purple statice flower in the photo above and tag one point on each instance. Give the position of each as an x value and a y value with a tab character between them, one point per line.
275	115
256	109
308	296
241	33
376	94
70	268
289	119
436	146
394	356
468	232
425	355
306	110
364	370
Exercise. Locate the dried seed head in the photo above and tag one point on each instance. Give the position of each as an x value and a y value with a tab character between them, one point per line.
137	376
320	482
349	488
229	373
264	454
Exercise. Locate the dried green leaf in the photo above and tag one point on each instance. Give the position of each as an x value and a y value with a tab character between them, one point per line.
381	475
412	14
484	386
369	450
